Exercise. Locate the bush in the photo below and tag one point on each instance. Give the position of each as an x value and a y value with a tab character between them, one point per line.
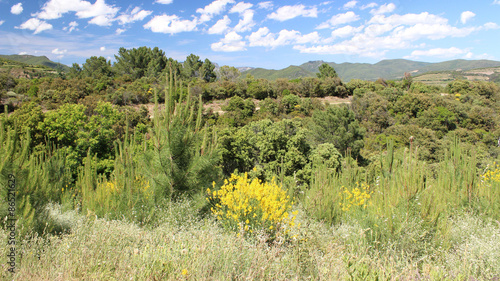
251	206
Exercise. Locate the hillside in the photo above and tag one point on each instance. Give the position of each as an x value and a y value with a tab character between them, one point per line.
387	69
36	60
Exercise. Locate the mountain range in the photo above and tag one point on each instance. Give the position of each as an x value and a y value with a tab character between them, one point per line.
386	69
36	60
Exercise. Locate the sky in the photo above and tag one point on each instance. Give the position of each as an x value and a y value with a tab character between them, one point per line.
268	34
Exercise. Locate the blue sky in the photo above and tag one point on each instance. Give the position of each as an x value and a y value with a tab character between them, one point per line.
269	34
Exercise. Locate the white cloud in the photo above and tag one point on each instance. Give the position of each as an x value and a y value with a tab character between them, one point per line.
408	19
339	19
466	16
246	23
267	5
232	42
72	26
350	4
102	49
430	31
369	6
384	9
100	13
36	25
346	31
135	15
220	26
440	52
289	12
170	24
1	22
213	9
164	1
263	38
241	7
17	9
497	2
56	51
23	53
120	31
491	25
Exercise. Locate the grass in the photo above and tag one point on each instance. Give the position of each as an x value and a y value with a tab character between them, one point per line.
185	247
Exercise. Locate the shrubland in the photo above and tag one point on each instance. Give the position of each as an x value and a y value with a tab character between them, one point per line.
402	182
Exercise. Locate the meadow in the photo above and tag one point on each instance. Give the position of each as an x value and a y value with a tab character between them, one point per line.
401	183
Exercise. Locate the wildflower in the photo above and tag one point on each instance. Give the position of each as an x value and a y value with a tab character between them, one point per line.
184	272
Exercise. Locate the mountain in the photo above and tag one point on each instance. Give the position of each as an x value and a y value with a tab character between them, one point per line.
36	60
387	69
291	72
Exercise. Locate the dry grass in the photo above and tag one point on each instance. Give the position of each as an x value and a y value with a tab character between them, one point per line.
186	247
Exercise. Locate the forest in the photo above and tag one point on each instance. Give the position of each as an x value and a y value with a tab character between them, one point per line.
124	169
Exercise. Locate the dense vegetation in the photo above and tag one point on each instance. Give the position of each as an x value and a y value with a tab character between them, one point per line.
400	182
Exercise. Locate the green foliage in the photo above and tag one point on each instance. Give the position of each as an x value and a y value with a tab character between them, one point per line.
143	62
326	71
96	67
182	153
228	73
338	125
207	71
191	68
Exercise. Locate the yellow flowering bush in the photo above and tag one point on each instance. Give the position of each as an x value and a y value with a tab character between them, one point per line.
356	197
492	175
247	206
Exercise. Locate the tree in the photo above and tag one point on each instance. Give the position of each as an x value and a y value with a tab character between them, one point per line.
338	125
325	70
229	73
207	71
97	67
192	66
75	71
143	61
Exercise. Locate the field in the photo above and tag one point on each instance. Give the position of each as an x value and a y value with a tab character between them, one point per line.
153	171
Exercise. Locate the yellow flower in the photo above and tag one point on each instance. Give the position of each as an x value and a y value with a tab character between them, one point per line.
184	272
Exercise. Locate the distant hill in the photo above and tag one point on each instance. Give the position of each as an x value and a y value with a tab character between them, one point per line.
36	60
387	69
291	72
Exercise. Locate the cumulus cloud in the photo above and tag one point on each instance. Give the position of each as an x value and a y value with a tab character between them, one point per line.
17	9
369	6
71	26
135	15
1	22
338	20
170	24
213	9
232	42
264	38
102	49
100	13
56	51
346	31
221	26
439	52
164	1
120	31
36	25
490	25
246	23
466	16
289	12
384	9
267	5
241	7
350	4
